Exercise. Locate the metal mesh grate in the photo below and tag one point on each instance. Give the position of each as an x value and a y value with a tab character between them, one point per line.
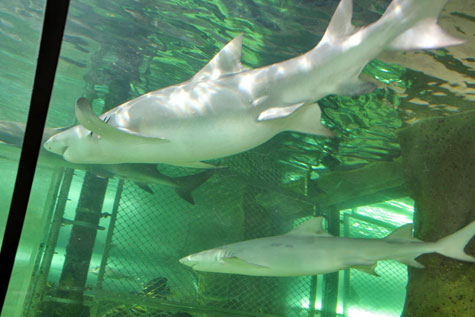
153	231
383	295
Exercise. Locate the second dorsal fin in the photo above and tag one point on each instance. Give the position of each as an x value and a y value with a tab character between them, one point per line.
340	23
311	226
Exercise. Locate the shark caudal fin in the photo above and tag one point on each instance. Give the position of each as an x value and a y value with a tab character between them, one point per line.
425	32
452	246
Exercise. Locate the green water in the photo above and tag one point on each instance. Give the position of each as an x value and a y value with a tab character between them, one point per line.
114	51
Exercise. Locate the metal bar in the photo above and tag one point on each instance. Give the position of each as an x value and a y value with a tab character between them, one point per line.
73	277
314	281
346	281
330	295
84	224
169	306
38	293
110	232
50	45
312	296
372	221
49	206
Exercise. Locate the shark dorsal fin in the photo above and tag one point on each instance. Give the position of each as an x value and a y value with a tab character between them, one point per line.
311	226
227	61
402	233
340	23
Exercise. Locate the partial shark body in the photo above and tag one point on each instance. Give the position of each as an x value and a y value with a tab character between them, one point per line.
227	109
12	133
308	250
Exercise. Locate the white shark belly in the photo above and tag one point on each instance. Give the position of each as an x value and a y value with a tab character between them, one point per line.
189	145
211	122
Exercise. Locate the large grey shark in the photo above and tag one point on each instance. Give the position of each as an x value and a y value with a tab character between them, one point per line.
308	250
227	108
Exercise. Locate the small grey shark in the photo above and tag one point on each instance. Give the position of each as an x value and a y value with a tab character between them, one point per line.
308	250
227	108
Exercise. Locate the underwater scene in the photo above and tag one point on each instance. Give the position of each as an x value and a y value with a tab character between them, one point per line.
244	158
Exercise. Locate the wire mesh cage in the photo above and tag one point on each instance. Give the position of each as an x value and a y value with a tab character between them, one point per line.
152	232
143	277
369	295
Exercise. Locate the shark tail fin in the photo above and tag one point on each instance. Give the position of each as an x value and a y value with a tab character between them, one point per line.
426	33
187	184
452	246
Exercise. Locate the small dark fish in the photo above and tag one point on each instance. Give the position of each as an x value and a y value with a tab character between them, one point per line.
157	288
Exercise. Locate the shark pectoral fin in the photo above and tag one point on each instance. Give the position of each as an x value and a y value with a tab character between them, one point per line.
426	34
144	187
368	269
90	121
197	164
278	112
307	120
238	261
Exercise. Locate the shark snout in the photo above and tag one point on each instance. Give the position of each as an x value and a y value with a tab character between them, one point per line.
186	261
52	146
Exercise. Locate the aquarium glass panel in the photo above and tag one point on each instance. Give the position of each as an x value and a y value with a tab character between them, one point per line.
20	31
184	166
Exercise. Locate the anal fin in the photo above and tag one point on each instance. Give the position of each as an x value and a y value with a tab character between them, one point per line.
307	120
368	269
